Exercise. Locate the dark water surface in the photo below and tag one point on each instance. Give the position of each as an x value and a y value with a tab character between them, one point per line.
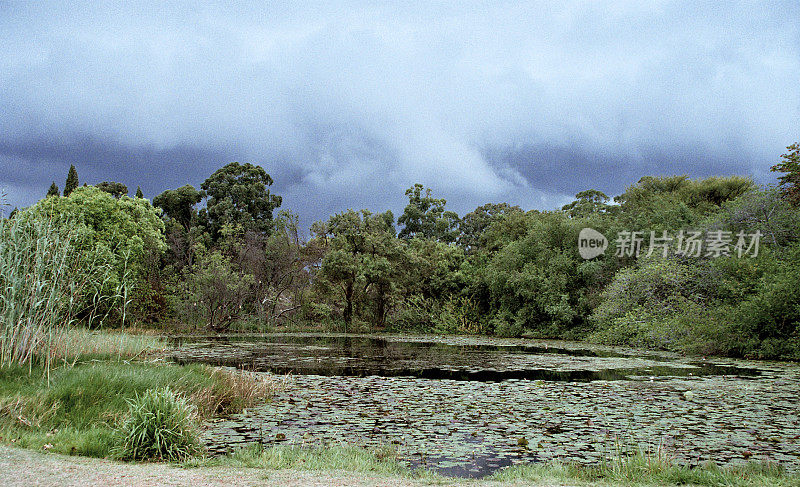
467	406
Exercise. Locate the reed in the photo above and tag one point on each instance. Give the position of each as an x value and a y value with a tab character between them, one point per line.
44	285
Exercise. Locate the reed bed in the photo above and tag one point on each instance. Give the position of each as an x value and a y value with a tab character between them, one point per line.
44	284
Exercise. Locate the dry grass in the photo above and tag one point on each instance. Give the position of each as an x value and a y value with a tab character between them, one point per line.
80	342
232	391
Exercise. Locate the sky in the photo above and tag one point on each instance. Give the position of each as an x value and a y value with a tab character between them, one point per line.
347	104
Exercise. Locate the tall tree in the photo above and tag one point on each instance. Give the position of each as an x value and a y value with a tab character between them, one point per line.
588	202
790	166
360	261
178	204
475	223
72	181
53	191
238	194
139	193
426	217
115	189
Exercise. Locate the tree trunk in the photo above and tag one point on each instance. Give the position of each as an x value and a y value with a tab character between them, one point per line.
348	308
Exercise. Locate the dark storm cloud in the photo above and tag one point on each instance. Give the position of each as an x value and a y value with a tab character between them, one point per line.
347	104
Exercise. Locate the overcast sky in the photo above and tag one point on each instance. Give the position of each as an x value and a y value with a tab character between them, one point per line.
347	104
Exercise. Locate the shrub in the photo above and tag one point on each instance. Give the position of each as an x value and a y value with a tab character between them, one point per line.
506	327
159	426
459	315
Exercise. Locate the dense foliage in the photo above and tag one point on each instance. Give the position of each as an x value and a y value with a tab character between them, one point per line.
680	270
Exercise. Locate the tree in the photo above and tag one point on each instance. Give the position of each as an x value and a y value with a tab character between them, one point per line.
113	188
425	217
113	232
53	191
139	193
218	291
239	195
477	221
538	281
72	181
360	261
673	202
589	202
178	204
790	181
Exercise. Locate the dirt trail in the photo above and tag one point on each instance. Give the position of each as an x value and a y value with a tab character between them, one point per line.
19	467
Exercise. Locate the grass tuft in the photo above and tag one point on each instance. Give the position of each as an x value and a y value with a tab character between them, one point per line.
160	425
232	391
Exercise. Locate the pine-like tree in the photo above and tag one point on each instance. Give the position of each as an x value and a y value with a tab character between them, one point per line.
53	191
72	181
139	193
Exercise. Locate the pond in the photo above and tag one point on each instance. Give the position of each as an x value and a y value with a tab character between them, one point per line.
466	406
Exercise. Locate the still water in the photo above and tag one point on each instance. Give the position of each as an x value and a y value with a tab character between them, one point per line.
467	406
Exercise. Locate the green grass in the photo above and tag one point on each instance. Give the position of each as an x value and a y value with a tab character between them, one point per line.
336	457
160	425
645	470
640	469
83	344
77	410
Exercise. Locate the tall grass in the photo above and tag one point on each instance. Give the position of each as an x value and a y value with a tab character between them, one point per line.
81	343
44	284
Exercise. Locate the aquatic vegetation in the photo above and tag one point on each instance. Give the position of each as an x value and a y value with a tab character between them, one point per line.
574	405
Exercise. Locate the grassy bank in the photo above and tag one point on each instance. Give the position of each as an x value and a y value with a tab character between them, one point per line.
641	469
77	406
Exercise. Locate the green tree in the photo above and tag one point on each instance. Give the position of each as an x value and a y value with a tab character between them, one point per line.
426	217
72	181
360	260
239	195
139	193
178	204
674	202
475	223
589	202
218	291
114	232
53	191
539	282
790	166
115	189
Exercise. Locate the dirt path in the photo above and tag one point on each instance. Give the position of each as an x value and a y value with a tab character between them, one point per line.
19	467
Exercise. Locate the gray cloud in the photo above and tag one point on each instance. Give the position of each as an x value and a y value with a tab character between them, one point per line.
348	104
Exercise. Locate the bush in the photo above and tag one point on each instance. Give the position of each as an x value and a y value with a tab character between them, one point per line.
459	315
159	426
506	327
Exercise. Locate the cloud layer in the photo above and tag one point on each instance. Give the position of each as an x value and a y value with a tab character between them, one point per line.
347	105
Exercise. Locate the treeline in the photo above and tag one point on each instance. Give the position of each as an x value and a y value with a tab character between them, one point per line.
719	273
